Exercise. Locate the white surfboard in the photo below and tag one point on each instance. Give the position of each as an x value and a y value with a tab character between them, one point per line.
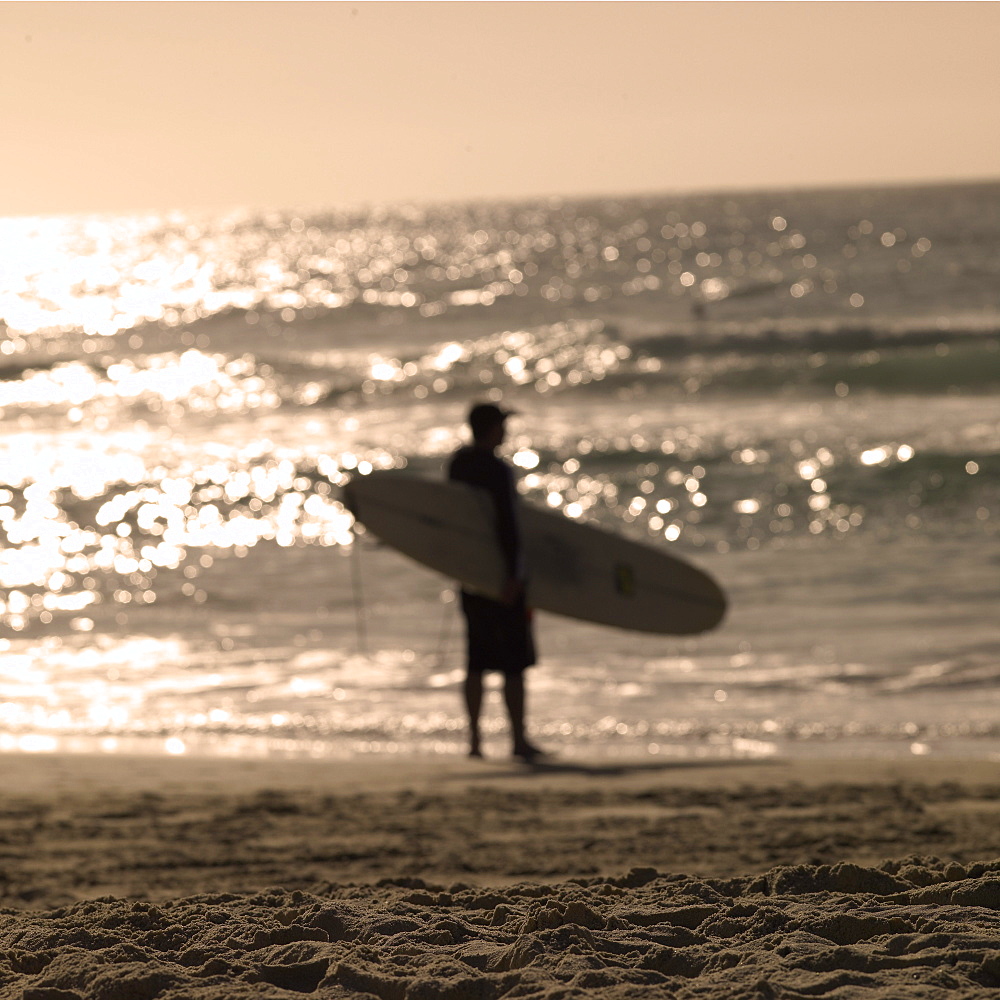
574	569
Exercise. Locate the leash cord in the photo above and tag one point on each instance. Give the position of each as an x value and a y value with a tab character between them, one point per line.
444	639
357	587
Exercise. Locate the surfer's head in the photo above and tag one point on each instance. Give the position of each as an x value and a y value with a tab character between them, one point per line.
487	423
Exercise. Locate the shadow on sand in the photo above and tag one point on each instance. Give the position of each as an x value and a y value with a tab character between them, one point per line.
609	769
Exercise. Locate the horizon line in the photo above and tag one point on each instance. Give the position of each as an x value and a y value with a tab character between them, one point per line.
584	196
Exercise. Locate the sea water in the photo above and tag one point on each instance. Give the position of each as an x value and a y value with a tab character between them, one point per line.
797	391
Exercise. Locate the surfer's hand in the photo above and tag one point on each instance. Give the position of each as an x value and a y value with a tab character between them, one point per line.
512	590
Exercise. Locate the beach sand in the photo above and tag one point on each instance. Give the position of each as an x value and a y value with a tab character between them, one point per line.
134	878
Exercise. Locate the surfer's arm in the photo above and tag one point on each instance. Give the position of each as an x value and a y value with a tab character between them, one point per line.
490	474
508	531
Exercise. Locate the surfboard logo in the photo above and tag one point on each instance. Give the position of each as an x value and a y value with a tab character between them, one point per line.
624	580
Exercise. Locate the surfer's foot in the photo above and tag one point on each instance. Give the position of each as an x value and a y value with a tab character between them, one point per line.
476	753
529	753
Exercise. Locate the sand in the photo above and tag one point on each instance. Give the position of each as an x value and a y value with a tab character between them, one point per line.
134	878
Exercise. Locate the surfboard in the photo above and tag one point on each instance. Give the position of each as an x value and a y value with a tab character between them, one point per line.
575	569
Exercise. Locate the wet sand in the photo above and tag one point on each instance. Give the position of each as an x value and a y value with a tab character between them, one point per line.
441	877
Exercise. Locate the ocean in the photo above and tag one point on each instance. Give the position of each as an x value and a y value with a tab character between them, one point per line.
797	391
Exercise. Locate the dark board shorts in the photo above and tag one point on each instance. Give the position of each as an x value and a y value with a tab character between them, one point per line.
499	635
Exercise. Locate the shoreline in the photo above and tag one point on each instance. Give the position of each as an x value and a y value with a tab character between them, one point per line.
44	773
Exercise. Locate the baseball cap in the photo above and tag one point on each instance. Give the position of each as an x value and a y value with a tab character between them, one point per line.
484	415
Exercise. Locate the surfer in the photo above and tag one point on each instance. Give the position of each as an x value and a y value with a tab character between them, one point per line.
499	634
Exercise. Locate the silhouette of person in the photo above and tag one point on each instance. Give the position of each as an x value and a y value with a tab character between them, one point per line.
498	632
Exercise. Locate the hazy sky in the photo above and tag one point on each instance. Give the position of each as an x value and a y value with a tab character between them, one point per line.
131	106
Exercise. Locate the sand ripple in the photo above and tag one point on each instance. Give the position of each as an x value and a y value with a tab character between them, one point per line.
919	927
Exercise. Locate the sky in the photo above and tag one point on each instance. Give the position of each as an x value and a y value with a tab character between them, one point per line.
123	107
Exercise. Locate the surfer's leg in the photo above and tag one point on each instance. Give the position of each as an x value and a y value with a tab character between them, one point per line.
473	705
513	696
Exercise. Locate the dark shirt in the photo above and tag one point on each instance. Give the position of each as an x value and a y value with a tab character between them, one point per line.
480	467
